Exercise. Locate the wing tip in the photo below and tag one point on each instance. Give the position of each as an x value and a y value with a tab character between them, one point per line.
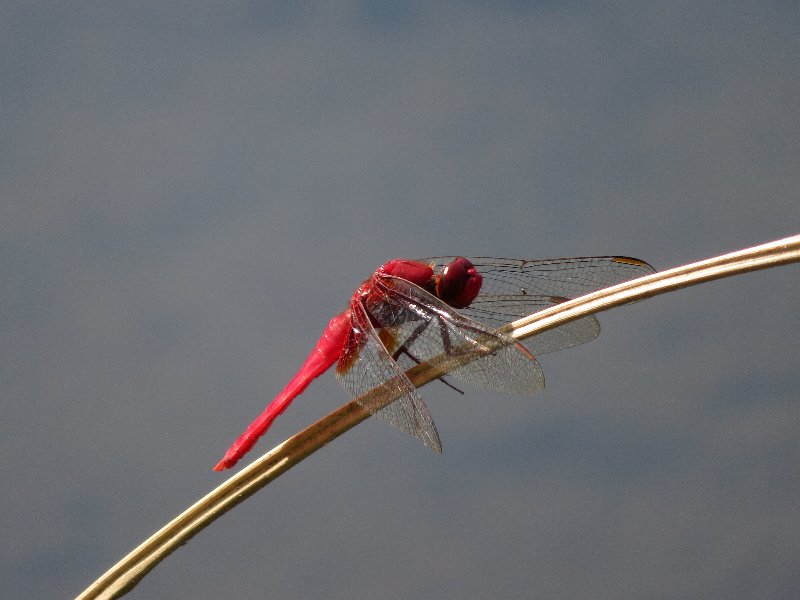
634	262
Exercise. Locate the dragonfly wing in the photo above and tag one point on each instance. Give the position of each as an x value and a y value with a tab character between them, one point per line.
567	277
514	288
366	364
505	308
424	327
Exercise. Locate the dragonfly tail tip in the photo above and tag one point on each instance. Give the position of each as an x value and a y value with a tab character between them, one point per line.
223	464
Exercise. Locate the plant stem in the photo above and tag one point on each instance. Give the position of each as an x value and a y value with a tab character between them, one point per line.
123	576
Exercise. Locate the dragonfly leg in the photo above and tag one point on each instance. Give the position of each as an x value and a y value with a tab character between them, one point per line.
404	350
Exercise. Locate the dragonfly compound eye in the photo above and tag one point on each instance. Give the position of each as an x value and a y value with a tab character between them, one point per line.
459	283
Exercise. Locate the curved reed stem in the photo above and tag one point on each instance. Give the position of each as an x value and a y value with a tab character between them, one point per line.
124	575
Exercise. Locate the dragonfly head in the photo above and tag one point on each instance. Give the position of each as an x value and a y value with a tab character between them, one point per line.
459	283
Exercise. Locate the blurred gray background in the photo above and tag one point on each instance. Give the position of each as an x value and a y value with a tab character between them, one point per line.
189	191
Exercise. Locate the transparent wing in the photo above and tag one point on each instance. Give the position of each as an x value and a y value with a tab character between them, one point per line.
514	288
365	364
413	326
417	327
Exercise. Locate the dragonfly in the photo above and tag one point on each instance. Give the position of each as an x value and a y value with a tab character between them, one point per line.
410	311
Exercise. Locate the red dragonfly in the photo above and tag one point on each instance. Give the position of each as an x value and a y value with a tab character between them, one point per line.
409	311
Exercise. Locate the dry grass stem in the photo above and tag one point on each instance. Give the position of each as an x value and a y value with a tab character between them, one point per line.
127	572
